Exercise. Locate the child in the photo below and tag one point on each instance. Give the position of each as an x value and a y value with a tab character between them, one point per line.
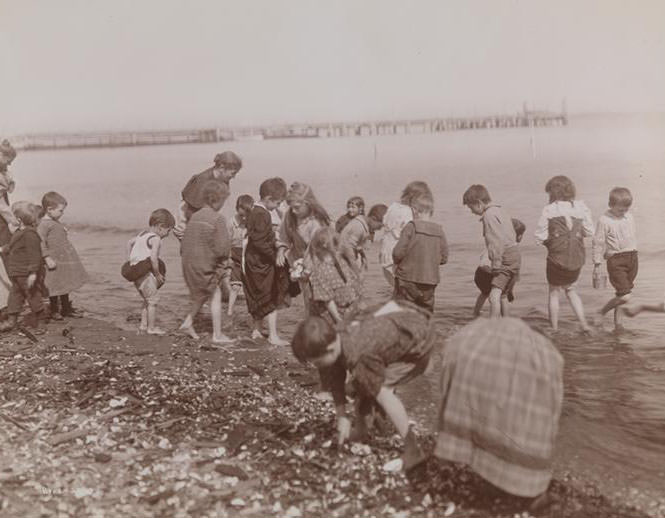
375	218
562	227
265	282
385	350
501	243
25	267
146	269
419	252
615	241
238	234
205	253
483	276
356	231
65	271
355	206
335	278
304	217
8	222
398	215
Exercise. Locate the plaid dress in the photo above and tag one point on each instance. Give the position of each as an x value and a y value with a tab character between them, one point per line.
502	393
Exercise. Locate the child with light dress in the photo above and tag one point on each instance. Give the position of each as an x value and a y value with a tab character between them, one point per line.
65	272
614	240
205	253
238	235
562	227
146	270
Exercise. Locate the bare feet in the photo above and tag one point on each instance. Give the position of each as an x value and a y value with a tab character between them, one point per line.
276	340
629	312
222	340
256	334
189	331
156	331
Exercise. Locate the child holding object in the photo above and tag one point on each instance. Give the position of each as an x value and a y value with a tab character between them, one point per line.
265	282
146	270
420	250
615	241
501	243
238	234
483	276
385	350
65	272
205	252
25	267
562	227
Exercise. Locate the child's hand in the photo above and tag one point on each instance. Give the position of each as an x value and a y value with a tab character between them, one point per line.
281	257
50	263
31	280
343	429
160	280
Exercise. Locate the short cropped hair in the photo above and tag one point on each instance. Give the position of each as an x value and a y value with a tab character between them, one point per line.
620	197
244	201
560	188
423	204
312	338
274	188
228	160
52	199
358	202
214	192
476	193
162	218
27	213
377	212
414	189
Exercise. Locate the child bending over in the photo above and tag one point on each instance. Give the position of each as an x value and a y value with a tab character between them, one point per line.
387	349
615	241
501	243
146	269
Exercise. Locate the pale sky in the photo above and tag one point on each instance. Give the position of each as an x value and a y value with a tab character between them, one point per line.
86	65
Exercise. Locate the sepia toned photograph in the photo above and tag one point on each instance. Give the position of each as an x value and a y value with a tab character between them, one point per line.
293	259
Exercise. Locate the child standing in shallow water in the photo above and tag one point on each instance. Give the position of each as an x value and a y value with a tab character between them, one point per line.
146	270
238	234
205	252
562	227
65	272
615	241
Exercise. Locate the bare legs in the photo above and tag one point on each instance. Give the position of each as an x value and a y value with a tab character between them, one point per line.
216	313
575	302
651	308
273	335
614	304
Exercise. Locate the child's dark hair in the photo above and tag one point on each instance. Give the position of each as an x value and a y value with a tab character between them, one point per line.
423	204
52	199
414	189
228	160
620	197
275	188
245	202
27	213
560	188
312	338
476	193
162	218
377	212
358	202
214	192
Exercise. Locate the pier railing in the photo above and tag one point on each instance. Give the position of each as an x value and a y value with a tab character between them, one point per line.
308	130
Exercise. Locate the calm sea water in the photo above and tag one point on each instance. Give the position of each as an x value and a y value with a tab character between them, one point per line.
613	425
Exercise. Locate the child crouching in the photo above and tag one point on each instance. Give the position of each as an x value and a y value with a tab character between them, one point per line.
387	349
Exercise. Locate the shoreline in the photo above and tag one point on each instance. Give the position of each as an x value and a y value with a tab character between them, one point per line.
101	421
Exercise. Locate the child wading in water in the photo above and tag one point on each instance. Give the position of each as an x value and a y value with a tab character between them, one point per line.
205	253
65	271
385	350
419	252
146	270
615	241
501	243
25	267
335	277
562	227
265	282
238	233
483	276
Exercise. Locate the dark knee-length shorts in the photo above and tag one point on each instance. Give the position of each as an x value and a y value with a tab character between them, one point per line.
622	270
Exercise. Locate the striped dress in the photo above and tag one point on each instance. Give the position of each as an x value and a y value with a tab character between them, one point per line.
502	392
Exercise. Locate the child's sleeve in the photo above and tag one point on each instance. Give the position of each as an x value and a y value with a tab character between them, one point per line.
495	245
542	228
7	214
44	231
221	240
261	235
587	221
402	246
34	248
599	241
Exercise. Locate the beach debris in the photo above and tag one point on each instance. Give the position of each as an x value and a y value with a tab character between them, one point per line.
393	466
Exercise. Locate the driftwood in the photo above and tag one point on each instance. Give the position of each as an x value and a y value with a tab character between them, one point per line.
59	438
14	422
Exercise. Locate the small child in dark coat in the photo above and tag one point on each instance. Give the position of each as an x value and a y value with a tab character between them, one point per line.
421	249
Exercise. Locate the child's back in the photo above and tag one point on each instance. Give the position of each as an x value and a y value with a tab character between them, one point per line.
422	248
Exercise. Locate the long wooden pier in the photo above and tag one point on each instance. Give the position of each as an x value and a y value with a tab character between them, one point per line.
308	130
